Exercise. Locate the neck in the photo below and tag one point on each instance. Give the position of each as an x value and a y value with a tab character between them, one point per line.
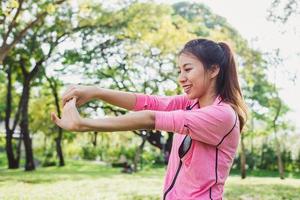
207	99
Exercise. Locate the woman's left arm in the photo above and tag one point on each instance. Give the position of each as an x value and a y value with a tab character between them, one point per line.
72	121
131	121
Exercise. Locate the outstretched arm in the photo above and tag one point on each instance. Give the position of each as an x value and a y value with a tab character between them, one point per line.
139	101
72	121
131	121
118	98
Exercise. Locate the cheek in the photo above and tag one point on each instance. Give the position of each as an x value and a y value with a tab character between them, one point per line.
200	82
199	79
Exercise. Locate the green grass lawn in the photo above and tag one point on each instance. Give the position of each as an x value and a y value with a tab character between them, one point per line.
88	180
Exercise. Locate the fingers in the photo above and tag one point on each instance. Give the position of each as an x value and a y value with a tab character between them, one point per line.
71	104
69	94
68	117
73	101
67	98
55	119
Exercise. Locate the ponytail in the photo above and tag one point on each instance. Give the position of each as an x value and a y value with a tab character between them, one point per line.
228	84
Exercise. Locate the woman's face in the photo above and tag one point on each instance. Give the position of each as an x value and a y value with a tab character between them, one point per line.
192	76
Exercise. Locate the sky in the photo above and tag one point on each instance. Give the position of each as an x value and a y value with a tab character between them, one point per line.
249	18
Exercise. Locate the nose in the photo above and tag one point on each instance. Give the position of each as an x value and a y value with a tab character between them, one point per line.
182	78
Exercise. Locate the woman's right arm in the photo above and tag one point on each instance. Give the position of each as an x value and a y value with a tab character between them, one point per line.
118	98
139	101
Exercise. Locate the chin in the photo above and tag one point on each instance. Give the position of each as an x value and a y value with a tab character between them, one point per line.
190	96
193	96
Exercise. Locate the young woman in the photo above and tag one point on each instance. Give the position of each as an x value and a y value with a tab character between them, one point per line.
206	120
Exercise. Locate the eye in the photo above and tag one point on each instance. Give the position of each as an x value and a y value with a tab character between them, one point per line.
187	70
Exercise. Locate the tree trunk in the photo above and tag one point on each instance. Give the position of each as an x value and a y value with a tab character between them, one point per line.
12	160
243	158
102	147
277	144
278	154
59	148
60	131
279	160
95	138
29	163
58	139
18	153
3	53
137	157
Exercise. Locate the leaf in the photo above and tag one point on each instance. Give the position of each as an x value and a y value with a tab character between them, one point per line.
13	4
50	9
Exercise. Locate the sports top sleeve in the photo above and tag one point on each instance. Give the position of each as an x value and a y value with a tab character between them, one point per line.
159	103
208	124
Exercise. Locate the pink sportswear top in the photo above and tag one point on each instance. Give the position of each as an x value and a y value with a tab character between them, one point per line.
215	133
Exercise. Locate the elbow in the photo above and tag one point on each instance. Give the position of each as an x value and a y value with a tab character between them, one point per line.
150	121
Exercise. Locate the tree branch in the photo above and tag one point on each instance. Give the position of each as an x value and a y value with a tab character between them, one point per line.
13	22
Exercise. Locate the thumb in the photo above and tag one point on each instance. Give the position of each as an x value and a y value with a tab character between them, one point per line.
74	100
54	118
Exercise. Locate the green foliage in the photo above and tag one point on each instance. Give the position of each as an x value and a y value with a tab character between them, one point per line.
39	111
114	154
153	159
49	158
264	158
3	159
89	152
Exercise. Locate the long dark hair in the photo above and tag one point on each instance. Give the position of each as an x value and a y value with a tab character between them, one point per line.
219	53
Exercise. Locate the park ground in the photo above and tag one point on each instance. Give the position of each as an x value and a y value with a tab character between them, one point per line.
91	180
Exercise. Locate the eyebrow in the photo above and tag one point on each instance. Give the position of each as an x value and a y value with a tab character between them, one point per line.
185	64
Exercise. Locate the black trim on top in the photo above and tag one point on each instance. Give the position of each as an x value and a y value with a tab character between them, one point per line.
217	153
190	108
216	172
216	167
174	179
228	132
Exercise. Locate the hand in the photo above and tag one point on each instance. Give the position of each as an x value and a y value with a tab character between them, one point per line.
70	118
82	94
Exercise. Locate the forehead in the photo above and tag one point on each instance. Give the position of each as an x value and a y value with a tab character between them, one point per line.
186	58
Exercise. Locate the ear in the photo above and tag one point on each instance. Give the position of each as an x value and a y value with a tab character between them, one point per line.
214	71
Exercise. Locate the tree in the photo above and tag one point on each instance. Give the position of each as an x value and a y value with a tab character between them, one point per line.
13	30
277	109
35	48
282	11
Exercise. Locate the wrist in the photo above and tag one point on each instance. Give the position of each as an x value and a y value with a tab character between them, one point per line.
98	91
84	125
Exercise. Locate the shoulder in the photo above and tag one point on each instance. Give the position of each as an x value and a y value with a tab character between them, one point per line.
222	112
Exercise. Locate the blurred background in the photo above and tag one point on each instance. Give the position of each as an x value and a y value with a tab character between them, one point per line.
132	45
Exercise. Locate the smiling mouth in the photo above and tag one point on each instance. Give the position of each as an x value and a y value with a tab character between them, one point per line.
187	88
